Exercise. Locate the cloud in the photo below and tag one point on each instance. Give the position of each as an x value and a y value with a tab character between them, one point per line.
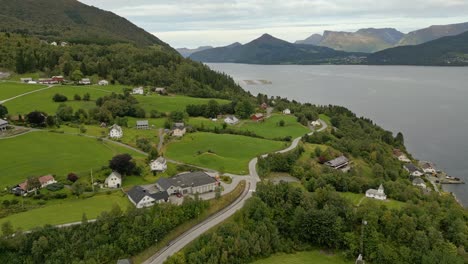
214	22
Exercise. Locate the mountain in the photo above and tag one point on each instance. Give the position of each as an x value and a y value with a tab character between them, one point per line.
446	51
312	40
270	50
187	52
432	33
71	21
364	40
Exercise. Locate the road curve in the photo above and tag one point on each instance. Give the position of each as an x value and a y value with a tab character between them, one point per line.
189	236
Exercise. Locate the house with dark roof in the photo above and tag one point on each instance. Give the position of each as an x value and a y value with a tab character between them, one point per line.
3	125
419	182
413	170
428	167
142	124
338	163
179	130
146	196
188	183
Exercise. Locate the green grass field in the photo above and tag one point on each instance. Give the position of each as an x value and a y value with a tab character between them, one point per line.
41	153
308	257
11	89
42	100
171	103
67	211
356	197
229	153
268	129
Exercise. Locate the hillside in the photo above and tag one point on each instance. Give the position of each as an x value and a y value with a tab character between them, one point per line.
185	52
432	33
71	21
270	50
364	40
447	51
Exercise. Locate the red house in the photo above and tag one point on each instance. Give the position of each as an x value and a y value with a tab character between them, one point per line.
257	117
58	79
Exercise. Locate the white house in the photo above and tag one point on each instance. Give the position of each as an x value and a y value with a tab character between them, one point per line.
146	196
179	130
22	188
159	164
85	81
63	44
316	123
231	120
287	111
138	90
377	194
428	167
114	180
3	125
53	43
103	83
413	170
188	183
26	80
142	124
115	132
400	156
160	90
419	182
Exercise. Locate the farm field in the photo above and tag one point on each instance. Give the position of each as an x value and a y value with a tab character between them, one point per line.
307	257
269	129
67	211
171	103
41	153
229	153
42	100
11	89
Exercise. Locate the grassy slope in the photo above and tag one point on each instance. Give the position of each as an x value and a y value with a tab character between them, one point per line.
171	103
67	211
356	197
11	89
312	257
43	100
232	153
40	153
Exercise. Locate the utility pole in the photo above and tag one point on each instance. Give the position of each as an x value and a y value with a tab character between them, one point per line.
360	259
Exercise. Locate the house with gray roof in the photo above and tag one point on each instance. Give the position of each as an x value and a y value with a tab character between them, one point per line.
146	196
413	170
142	124
188	183
179	130
338	163
3	125
378	194
419	182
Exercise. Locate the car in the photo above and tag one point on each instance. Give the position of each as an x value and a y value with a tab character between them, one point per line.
179	195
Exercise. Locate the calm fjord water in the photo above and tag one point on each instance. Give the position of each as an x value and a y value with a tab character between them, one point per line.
428	104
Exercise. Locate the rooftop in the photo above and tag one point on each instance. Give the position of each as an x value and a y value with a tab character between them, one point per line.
137	193
142	123
3	122
337	162
183	180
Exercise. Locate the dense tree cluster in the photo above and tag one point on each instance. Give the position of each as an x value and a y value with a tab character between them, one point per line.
210	110
282	218
115	235
121	63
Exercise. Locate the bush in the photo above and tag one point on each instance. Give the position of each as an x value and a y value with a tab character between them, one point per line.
55	187
59	98
77	97
72	177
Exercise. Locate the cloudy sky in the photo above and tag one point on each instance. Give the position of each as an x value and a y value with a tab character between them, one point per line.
183	23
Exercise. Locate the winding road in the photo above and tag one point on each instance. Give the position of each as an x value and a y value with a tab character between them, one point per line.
189	236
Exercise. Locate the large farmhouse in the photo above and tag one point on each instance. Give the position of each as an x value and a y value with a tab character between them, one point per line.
146	196
188	183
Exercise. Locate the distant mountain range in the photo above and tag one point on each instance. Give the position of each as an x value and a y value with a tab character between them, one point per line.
270	50
446	51
370	40
72	21
187	52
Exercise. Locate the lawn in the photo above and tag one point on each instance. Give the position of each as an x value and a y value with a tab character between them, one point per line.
67	211
354	198
229	153
40	153
312	257
171	103
11	89
42	100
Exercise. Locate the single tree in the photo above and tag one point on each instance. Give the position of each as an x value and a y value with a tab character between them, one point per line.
77	97
3	111
36	118
86	97
33	184
123	164
72	177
